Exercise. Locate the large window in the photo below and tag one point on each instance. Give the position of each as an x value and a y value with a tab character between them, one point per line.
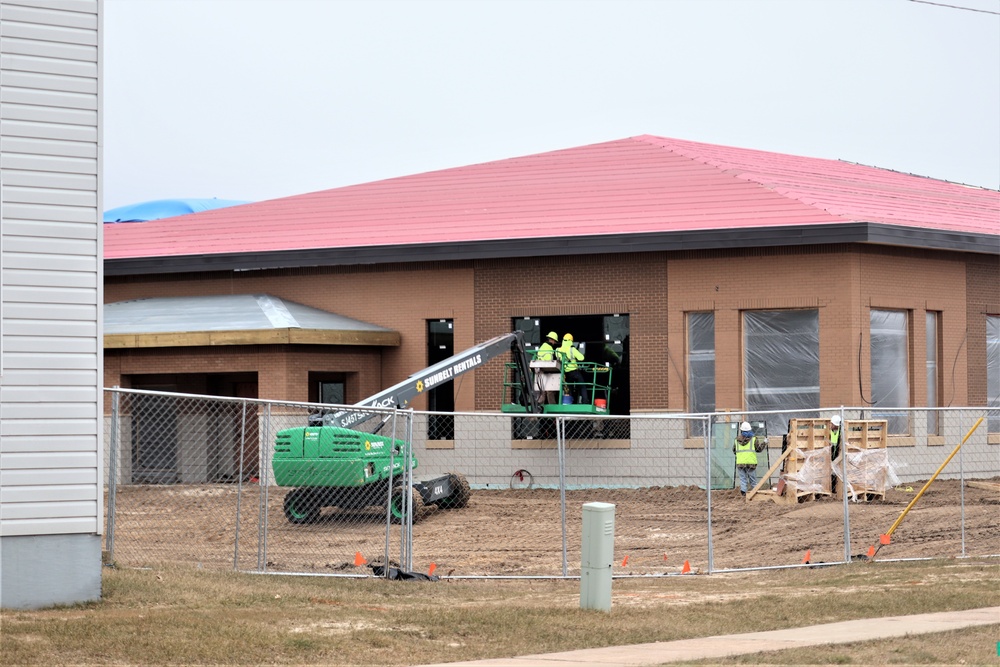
780	364
933	372
890	369
993	372
700	366
603	340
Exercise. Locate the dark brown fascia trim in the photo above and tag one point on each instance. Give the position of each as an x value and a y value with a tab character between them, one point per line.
852	232
253	337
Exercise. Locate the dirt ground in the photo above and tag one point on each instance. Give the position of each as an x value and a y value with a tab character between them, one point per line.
519	532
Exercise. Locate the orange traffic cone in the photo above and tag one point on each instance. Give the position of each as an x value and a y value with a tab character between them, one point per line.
359	560
430	570
686	568
805	559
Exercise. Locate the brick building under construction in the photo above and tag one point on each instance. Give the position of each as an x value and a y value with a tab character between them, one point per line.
712	278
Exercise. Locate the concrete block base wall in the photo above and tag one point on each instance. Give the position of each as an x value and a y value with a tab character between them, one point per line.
44	570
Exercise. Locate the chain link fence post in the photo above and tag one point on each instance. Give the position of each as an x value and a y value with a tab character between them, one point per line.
265	485
239	491
561	456
708	491
843	476
114	446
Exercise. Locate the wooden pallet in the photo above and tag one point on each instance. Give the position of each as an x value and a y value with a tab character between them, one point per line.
808	445
867	479
866	434
808	434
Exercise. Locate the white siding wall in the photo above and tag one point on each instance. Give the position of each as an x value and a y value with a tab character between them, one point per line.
50	477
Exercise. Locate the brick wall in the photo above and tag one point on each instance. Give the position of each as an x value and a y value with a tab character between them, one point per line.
399	298
654	289
843	283
983	289
281	371
586	285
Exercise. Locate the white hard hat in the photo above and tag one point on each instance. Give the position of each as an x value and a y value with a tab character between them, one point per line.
835	420
745	426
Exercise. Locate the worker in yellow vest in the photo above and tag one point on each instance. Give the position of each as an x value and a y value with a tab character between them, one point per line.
548	392
835	437
835	422
547	350
745	447
572	376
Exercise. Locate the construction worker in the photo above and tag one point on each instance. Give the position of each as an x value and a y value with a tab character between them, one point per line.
547	350
745	447
572	376
547	380
835	437
835	422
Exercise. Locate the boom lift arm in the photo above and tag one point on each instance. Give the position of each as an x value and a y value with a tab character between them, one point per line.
400	395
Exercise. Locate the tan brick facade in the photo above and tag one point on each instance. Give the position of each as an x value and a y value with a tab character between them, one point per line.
655	289
983	291
591	285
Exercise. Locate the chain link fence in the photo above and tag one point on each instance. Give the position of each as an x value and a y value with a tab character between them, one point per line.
254	485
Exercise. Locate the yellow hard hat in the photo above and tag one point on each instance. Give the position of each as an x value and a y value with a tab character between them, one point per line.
553	335
568	337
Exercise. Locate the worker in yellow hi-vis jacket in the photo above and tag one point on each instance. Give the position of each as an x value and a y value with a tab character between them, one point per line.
570	357
745	447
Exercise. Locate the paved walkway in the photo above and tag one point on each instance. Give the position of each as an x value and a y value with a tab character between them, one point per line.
775	640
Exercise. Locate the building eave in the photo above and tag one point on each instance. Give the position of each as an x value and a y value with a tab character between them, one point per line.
759	237
252	337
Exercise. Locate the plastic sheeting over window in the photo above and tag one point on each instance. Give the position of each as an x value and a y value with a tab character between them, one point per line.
781	363
889	367
701	366
932	371
993	372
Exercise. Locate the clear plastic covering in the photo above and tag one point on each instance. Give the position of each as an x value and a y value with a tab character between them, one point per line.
890	378
701	362
993	372
781	367
868	471
932	371
813	475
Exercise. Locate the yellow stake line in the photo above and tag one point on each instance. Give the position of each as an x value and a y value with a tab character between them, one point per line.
921	492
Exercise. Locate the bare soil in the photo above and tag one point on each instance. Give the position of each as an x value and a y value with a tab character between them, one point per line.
519	532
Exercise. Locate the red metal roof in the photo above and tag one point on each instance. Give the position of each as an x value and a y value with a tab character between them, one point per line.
638	185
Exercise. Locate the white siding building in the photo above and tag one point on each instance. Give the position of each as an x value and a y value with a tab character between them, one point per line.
51	494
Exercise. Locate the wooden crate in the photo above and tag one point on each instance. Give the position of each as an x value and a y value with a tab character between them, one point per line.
866	434
808	433
867	458
809	459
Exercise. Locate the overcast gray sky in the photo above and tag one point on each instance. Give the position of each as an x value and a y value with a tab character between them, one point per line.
258	99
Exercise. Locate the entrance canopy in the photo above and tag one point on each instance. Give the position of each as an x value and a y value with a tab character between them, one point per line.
233	319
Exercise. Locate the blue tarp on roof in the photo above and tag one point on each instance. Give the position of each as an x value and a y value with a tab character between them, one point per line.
165	208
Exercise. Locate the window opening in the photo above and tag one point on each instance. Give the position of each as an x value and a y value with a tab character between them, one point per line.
993	372
603	339
701	367
780	364
440	346
889	369
933	372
